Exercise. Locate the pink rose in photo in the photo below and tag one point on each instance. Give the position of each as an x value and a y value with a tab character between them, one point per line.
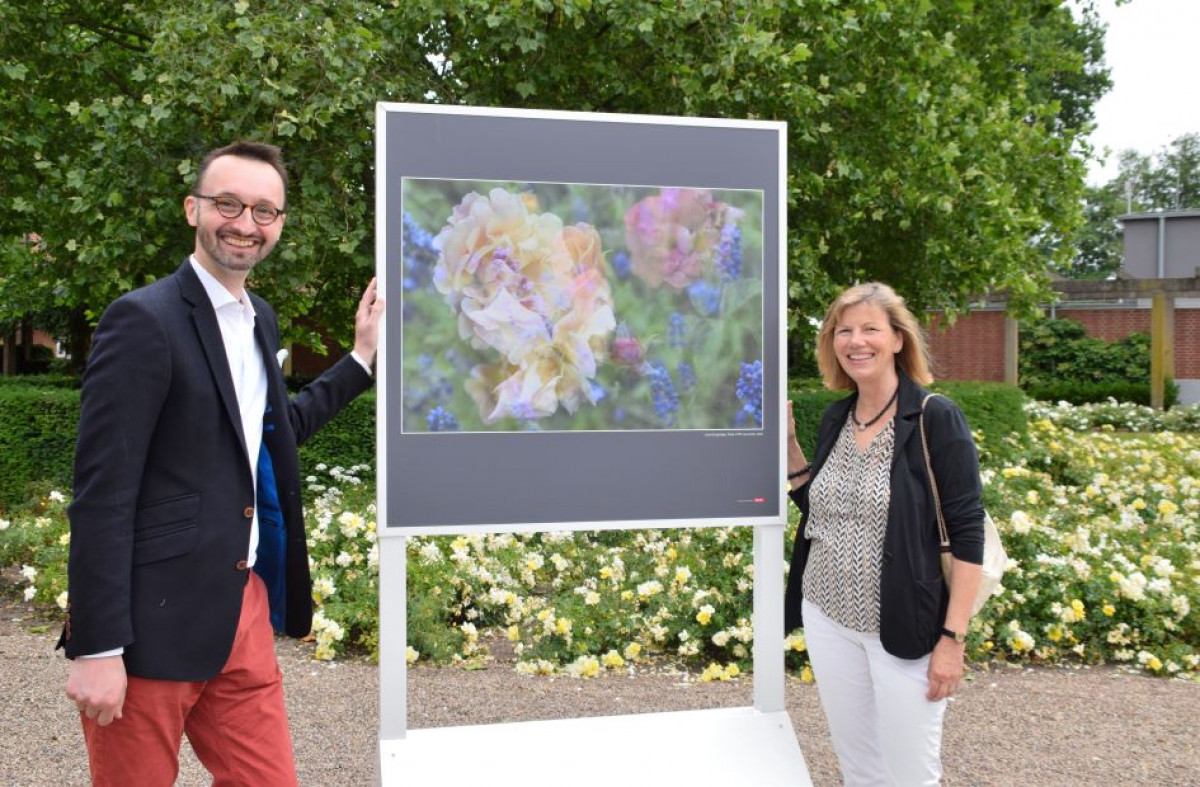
673	237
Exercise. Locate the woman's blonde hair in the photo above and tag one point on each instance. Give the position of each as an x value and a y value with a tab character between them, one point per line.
913	358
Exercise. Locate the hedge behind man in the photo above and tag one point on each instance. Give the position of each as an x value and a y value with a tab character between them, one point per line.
187	534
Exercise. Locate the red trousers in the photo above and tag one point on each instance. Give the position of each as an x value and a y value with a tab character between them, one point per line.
236	722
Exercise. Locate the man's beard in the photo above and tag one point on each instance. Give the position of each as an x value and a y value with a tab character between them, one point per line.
228	259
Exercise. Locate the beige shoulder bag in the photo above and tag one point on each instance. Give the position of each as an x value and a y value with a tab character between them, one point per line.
994	556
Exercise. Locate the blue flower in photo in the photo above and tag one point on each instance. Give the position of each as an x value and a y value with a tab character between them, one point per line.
429	387
621	265
675	330
666	400
729	253
441	420
687	376
420	253
749	390
706	298
580	211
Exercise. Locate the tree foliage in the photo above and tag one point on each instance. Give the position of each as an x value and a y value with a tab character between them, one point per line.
935	145
1163	181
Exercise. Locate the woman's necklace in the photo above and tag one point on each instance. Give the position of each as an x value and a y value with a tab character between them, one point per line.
862	427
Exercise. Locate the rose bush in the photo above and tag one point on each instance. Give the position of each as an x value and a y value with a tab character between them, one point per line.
1101	528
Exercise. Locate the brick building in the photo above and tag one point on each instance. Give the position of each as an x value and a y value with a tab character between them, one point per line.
16	348
1161	257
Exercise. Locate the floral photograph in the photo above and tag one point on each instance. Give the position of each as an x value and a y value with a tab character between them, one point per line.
576	307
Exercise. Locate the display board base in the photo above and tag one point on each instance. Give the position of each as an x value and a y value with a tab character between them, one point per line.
724	746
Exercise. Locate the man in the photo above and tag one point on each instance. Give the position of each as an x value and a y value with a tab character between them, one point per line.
187	537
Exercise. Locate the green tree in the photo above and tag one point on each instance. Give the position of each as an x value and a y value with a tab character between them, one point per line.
932	145
1166	180
104	123
1098	240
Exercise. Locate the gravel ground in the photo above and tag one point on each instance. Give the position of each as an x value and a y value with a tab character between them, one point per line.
1007	726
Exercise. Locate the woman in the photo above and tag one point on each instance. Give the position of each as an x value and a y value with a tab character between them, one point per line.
884	633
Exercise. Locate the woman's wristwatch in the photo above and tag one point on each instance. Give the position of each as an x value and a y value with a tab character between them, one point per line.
957	636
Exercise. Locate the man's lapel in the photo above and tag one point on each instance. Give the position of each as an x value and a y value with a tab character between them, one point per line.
276	387
209	333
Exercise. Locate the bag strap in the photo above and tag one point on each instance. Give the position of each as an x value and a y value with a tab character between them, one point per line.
943	534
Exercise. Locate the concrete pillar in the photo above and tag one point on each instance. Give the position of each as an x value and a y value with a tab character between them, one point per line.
1012	350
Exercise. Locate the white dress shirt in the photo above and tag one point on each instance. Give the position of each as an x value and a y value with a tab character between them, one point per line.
236	319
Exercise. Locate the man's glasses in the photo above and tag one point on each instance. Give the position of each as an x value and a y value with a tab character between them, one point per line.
232	207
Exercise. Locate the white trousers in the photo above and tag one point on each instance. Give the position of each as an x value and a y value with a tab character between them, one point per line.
884	730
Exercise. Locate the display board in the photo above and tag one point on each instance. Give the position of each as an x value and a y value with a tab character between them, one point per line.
585	320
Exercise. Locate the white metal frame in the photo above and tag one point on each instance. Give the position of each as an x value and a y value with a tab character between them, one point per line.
749	745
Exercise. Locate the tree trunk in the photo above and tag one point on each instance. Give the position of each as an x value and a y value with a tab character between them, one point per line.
26	347
79	341
10	353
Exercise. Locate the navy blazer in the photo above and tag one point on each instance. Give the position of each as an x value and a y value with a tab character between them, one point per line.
912	595
163	494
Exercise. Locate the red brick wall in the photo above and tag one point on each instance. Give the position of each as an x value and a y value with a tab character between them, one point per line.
971	349
1109	324
1187	344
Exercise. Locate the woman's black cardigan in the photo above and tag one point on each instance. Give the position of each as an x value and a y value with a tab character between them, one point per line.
912	595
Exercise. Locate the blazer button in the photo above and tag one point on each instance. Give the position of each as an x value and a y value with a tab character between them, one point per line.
249	512
241	565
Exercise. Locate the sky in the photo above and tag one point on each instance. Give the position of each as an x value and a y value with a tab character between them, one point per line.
1150	49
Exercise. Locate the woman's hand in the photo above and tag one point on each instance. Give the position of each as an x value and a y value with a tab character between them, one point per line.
946	664
945	669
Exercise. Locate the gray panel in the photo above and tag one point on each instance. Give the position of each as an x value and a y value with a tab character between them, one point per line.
449	479
1182	247
1141	249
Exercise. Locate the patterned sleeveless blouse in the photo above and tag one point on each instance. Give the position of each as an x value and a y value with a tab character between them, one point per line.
848	505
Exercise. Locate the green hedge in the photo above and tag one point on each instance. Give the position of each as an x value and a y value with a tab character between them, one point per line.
1077	392
37	429
37	440
66	381
347	440
994	409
